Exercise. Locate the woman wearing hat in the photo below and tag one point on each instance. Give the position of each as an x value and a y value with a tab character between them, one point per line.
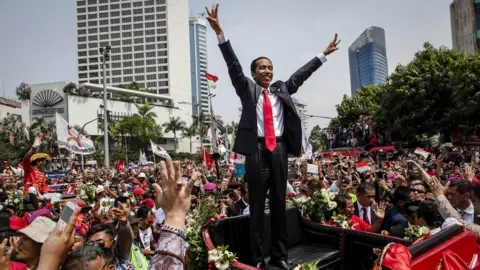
35	180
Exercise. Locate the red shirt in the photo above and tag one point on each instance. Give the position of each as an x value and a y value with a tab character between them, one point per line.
33	177
357	224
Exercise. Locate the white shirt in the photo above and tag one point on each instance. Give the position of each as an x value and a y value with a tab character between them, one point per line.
360	212
467	214
277	104
146	236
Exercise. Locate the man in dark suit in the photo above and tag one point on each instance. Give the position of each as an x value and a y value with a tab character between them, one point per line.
269	130
237	208
365	199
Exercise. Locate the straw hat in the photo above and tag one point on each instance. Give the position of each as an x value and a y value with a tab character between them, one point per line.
40	156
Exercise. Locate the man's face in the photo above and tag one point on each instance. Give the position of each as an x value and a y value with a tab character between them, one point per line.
97	264
28	249
457	199
367	199
263	72
148	222
41	164
102	239
79	242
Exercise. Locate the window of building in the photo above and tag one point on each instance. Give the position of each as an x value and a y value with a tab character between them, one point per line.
82	68
81	3
140	78
150	54
162	23
92	23
137	11
92	2
104	15
161	31
127	49
162	46
149	24
139	63
81	17
104	29
138	18
140	70
116	42
127	57
126	42
103	22
126	5
115	57
115	35
161	9
163	83
92	9
81	31
92	45
81	24
116	72
92	38
116	65
126	27
139	55
92	31
138	40
117	80
92	16
162	53
151	84
93	60
126	20
81	10
163	68
127	64
163	91
115	28
149	10
150	32
103	8
126	12
149	17
115	21
138	48
160	2
163	76
82	61
137	4
138	33
150	40
93	67
114	6
138	26
103	37
82	75
92	52
151	70
114	13
162	60
115	50
152	77
149	3
161	16
127	34
151	61
128	79
150	47
162	38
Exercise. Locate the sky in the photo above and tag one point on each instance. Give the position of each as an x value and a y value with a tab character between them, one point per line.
38	41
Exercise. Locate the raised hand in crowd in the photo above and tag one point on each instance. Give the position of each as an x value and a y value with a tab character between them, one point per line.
468	172
436	187
213	19
122	212
5	257
379	210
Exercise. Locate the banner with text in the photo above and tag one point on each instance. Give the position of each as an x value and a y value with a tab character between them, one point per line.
71	139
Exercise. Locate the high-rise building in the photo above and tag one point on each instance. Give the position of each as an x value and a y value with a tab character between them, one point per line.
465	24
144	49
198	59
302	111
368	59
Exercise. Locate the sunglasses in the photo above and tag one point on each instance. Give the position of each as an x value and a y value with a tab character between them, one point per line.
99	243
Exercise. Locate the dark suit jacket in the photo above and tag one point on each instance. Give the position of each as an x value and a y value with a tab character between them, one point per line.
246	139
476	217
236	208
399	230
373	217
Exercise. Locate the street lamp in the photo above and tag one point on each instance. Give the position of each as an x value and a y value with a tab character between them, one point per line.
105	56
81	132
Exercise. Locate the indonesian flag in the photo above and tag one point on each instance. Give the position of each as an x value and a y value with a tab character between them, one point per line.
208	161
233	158
362	166
421	152
120	165
212	80
10	137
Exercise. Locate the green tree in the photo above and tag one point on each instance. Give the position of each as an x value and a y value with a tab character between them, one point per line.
317	139
189	132
173	125
70	88
201	122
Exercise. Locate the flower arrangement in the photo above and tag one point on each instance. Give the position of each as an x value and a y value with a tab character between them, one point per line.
416	232
305	266
316	206
15	198
197	219
221	258
341	221
86	193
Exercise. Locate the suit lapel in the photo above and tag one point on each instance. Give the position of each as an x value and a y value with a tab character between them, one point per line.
278	89
257	92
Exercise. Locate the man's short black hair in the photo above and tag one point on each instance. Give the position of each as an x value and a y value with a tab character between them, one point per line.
402	194
253	65
143	212
80	258
428	210
462	186
107	228
363	187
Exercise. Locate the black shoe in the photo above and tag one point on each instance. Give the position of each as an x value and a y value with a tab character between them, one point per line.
262	265
281	264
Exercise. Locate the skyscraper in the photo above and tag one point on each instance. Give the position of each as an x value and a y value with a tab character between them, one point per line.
465	19
149	41
368	59
198	59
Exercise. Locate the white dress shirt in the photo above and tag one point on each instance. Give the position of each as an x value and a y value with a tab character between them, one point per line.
467	214
360	212
277	104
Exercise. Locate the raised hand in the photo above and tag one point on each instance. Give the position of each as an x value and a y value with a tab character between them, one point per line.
332	46
213	19
380	210
436	187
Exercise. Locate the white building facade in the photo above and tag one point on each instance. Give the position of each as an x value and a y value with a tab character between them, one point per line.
16	108
198	58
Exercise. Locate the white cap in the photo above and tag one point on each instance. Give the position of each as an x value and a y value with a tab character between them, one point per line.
141	175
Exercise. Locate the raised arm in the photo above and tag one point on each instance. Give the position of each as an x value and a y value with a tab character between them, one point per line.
235	70
301	75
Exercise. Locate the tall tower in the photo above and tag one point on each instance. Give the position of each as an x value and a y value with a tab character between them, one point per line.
464	19
198	59
368	59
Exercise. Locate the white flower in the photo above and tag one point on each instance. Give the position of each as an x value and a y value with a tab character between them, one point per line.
222	265
298	267
16	201
332	205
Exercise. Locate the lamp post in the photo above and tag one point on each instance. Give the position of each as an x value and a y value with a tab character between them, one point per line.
81	132
105	56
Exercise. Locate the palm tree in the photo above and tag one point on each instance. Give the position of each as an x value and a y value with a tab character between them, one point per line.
173	125
144	111
23	91
202	124
49	132
189	132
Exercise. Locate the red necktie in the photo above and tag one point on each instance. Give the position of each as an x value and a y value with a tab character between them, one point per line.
270	140
365	216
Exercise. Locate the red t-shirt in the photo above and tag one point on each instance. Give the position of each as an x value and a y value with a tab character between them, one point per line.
357	224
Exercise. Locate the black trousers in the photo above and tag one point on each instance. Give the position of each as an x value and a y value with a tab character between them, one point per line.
267	171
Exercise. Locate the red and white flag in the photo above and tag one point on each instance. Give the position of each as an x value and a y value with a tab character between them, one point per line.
212	80
10	137
206	158
421	152
362	166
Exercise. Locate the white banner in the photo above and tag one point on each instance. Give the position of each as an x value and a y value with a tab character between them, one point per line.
159	151
72	140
